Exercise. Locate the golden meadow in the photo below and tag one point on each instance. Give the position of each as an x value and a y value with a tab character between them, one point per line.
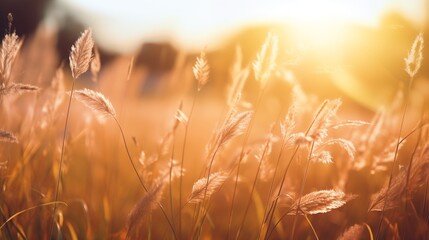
86	155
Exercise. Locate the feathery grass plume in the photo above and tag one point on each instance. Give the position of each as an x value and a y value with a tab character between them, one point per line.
80	57
346	145
9	50
262	155
354	232
365	142
174	166
17	88
348	123
299	138
323	119
418	176
396	190
6	136
410	62
81	54
201	188
95	65
414	60
289	122
265	62
95	101
233	126
143	208
239	77
381	160
322	157
419	170
181	116
167	141
201	70
322	201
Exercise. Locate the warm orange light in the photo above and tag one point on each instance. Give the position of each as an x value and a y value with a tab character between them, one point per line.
192	24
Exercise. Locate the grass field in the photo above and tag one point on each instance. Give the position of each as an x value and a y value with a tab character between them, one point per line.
85	155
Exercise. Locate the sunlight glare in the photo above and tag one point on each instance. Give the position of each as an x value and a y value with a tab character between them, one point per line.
193	24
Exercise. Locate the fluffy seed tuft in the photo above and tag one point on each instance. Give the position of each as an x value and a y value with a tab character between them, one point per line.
96	101
201	70
81	54
201	188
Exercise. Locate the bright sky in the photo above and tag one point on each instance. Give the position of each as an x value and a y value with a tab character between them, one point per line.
194	24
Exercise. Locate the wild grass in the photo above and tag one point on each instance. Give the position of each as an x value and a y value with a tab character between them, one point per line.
204	165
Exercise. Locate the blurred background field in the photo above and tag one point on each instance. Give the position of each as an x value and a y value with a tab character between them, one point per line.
355	49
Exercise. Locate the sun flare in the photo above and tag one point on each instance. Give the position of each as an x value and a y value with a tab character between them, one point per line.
196	24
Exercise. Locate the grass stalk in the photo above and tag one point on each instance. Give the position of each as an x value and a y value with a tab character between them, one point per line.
57	187
246	138
140	179
170	185
311	226
287	168
395	157
182	162
301	191
251	191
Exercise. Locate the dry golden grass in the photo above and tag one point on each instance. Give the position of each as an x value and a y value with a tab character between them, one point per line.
195	164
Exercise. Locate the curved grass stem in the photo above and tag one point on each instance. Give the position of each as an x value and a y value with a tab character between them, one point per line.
140	179
312	227
60	167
